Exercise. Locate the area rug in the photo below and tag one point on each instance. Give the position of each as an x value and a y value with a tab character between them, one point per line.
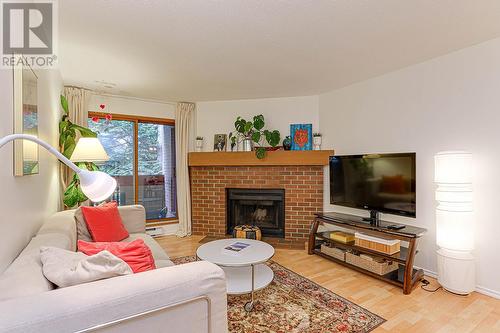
292	303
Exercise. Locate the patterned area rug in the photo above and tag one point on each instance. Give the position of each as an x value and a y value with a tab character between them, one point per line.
292	303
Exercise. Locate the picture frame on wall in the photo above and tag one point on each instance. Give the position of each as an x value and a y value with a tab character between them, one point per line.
301	135
220	142
26	161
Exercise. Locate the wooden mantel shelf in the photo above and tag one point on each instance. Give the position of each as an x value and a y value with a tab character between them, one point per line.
280	157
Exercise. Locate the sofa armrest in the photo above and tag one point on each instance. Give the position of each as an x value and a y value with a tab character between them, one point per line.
183	298
133	218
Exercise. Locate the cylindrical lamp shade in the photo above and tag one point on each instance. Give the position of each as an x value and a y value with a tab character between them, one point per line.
89	150
454	230
453	167
454	216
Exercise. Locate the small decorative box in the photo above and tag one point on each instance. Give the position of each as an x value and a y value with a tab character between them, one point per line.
386	246
342	237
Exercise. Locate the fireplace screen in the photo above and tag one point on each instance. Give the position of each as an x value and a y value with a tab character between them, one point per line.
264	208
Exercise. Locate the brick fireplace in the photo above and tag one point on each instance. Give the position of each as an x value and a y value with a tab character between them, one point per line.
302	185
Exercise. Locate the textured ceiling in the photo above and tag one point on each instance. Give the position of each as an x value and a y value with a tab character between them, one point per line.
231	49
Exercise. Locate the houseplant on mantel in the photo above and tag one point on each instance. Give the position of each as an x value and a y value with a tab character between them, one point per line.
253	132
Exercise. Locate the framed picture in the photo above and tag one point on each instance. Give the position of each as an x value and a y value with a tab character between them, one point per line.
25	120
220	142
301	136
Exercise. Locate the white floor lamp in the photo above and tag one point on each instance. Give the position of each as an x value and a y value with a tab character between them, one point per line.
96	185
455	221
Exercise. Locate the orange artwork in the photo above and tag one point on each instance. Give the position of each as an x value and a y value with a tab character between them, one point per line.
301	137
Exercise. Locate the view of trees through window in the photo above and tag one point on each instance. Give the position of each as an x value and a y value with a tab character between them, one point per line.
149	179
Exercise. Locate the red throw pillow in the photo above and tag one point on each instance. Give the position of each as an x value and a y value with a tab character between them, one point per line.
105	223
136	254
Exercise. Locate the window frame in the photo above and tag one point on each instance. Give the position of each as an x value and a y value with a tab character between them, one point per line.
137	120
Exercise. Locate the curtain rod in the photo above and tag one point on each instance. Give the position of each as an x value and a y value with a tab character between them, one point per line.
134	98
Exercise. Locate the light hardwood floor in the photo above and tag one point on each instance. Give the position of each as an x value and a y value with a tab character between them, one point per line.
419	312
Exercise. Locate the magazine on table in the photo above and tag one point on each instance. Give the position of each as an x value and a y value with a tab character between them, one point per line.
236	247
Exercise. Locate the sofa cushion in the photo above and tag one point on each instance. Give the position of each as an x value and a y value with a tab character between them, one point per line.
82	232
163	263
136	253
61	223
66	268
133	218
25	276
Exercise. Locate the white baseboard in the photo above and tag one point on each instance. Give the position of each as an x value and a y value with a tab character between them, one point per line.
488	292
479	289
170	229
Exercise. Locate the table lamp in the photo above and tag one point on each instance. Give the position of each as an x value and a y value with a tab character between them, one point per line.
89	150
96	185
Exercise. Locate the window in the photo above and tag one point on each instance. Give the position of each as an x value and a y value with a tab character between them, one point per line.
142	160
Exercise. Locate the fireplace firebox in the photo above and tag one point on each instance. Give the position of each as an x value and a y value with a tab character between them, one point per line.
264	208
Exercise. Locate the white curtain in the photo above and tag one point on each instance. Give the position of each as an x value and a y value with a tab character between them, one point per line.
184	120
78	107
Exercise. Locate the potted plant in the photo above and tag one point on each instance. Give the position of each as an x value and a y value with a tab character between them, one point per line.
199	143
253	132
317	141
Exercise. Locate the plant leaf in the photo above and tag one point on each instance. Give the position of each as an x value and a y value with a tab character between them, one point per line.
258	122
256	137
248	126
64	104
69	147
239	125
274	138
260	152
62	126
85	132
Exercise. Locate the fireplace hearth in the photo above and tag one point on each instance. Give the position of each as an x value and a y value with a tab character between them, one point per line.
264	208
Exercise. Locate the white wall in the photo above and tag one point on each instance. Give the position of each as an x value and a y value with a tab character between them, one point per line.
26	201
132	106
218	117
451	102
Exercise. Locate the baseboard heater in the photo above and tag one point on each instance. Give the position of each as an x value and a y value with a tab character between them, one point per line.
154	231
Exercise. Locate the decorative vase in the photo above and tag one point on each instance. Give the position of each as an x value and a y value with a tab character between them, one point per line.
287	143
199	145
317	142
247	144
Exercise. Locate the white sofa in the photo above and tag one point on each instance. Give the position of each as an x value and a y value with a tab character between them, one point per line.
184	298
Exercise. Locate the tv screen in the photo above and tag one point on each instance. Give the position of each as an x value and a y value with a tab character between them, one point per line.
381	182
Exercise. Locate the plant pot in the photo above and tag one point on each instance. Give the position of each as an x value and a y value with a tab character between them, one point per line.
317	142
247	144
199	145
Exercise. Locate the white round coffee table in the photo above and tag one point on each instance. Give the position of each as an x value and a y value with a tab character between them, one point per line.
246	271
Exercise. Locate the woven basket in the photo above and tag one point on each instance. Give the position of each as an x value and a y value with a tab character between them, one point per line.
333	252
380	268
247	231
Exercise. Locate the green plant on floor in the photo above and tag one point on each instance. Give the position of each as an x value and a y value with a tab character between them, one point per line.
254	131
68	133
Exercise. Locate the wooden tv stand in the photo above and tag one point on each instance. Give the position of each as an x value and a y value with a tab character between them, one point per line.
405	277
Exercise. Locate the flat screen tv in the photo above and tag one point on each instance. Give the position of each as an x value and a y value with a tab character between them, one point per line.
378	182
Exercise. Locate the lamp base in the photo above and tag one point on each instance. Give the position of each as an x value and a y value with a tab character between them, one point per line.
456	271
